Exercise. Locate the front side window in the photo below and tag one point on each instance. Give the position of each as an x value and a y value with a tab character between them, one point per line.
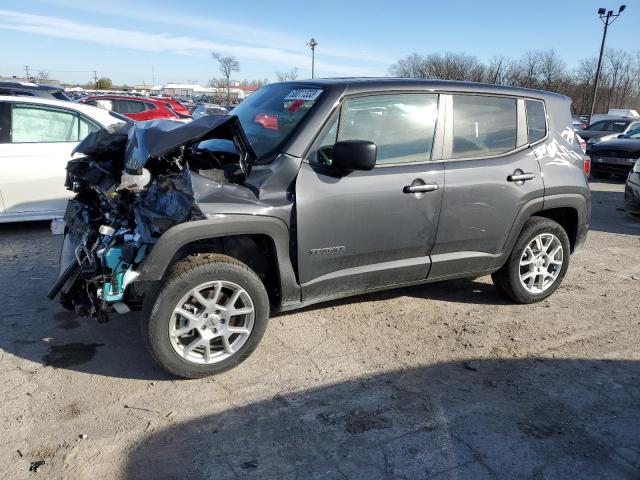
536	121
86	128
129	106
270	115
401	125
31	124
483	125
608	126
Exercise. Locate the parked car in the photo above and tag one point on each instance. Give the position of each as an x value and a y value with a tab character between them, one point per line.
172	104
135	108
615	157
632	190
209	109
306	212
28	89
604	130
37	137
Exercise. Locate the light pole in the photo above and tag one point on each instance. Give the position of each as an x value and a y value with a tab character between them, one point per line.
607	18
312	44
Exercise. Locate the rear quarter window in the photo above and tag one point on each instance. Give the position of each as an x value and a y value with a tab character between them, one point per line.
536	121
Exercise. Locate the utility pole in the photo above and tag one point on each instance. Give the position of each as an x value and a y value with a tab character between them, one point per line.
312	44
26	69
607	17
95	79
153	76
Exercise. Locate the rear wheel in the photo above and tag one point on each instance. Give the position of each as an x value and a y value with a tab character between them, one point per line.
537	264
207	317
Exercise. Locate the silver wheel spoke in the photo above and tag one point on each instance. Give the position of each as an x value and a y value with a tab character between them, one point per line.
243	331
227	346
200	298
240	311
233	299
187	315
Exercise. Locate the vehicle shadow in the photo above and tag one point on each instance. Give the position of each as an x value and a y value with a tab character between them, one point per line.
608	213
34	328
536	418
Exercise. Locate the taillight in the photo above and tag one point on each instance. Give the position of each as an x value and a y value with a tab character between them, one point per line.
587	165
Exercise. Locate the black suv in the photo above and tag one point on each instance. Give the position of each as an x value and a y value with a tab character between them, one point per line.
316	190
19	89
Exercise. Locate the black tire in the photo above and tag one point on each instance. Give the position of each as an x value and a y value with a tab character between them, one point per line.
599	174
507	279
186	275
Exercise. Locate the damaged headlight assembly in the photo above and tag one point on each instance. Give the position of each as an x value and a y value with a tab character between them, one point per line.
132	183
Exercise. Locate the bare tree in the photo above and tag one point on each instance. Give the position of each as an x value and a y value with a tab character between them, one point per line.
228	65
619	85
285	76
42	75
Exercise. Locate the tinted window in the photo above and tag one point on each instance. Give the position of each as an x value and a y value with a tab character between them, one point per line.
128	106
536	121
24	93
483	125
4	91
608	126
5	122
401	126
36	124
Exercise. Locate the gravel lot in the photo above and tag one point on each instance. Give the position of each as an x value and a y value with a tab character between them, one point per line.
438	381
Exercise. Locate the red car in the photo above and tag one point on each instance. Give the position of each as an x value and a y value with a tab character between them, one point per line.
139	108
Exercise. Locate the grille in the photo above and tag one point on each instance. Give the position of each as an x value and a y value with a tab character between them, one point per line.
615	154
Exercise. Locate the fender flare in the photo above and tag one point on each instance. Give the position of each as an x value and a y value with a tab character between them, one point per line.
570	200
158	260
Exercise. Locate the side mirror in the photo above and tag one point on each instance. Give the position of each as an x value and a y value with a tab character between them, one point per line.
621	135
354	155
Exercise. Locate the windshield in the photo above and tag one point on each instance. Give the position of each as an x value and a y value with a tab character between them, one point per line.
270	115
635	133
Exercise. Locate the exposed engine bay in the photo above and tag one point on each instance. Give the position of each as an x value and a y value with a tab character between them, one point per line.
132	183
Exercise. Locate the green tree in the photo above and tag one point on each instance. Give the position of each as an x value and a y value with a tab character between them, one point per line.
104	83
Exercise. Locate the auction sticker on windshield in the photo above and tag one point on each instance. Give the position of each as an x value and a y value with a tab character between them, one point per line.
304	94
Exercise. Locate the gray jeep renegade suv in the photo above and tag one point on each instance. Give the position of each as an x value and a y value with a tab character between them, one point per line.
316	190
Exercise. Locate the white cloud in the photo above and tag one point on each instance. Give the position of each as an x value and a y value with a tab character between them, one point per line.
165	42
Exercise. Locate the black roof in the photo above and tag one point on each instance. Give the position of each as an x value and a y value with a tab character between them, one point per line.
32	89
369	84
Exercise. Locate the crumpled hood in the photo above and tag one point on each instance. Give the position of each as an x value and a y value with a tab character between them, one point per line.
144	140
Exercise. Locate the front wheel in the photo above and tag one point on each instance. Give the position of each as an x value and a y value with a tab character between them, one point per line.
537	264
207	317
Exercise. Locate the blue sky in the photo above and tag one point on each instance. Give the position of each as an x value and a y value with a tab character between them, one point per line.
126	39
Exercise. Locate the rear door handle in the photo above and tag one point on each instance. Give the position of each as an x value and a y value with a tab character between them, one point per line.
521	177
428	187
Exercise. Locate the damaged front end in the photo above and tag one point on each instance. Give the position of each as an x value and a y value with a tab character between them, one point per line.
133	182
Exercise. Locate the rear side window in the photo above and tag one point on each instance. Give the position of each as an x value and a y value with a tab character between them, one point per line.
483	126
129	106
42	125
401	126
536	121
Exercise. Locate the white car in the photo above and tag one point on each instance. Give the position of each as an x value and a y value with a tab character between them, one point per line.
37	136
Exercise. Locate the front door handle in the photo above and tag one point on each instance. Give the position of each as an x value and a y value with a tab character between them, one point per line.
518	176
427	187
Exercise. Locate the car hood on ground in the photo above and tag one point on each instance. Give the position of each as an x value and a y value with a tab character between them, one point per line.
624	144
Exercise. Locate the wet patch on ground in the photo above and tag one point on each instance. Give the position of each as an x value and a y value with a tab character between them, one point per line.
63	356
